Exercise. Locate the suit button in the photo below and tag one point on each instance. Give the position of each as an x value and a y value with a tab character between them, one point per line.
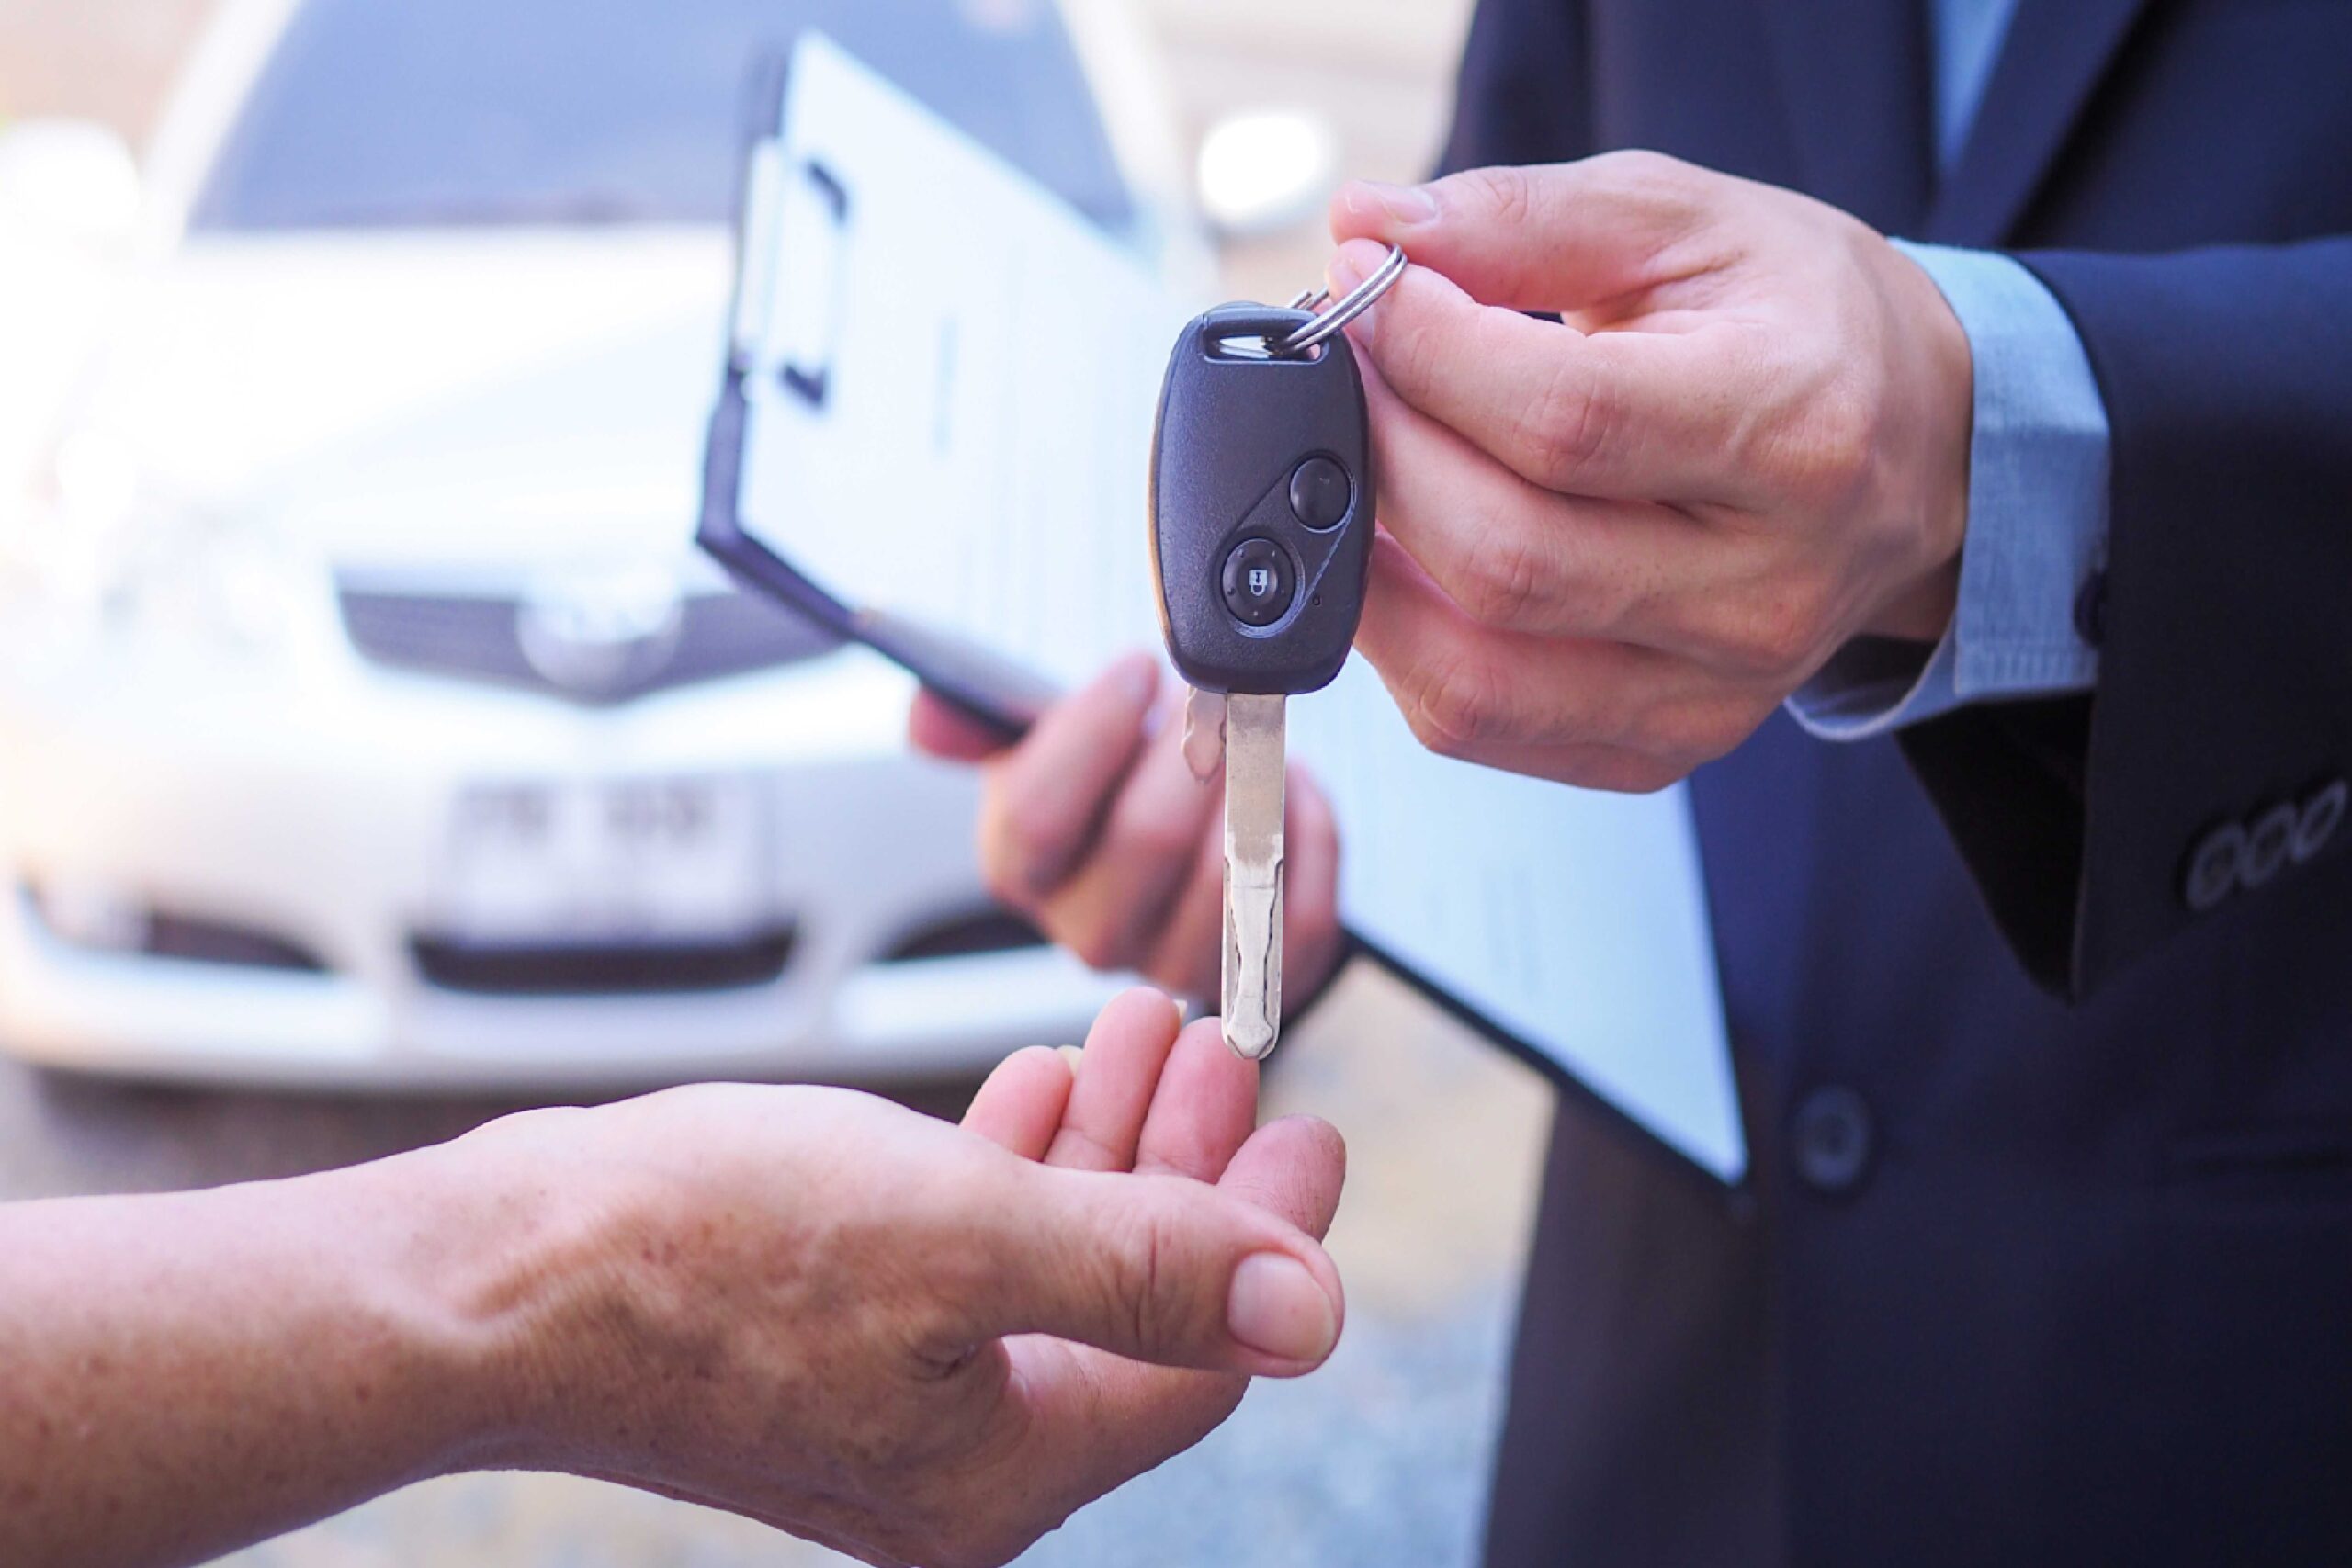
2213	867
2267	846
2322	815
1833	1139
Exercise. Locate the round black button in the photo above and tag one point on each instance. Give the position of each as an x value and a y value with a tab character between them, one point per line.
2213	868
1320	492
1260	583
1832	1140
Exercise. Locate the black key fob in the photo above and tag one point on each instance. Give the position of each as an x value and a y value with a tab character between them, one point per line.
1262	504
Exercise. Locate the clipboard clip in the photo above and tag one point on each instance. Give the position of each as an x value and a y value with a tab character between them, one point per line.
796	319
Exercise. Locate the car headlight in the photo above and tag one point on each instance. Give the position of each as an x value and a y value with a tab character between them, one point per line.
106	547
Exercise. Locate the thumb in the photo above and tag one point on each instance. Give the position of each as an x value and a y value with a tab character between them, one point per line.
1548	237
1157	1268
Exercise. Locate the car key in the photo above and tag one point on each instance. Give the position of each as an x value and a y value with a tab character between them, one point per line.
1262	526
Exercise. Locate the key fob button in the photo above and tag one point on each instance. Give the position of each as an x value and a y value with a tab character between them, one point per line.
1260	583
1320	492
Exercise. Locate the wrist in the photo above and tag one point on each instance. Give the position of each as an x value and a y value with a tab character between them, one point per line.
504	1264
1940	363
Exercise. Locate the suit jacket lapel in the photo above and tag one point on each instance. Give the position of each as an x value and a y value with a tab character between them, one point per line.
1854	76
2053	57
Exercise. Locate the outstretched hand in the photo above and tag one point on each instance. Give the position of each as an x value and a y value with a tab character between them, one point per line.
923	1345
915	1343
1145	1097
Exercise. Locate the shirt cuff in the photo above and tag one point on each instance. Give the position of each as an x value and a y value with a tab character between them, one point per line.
2037	520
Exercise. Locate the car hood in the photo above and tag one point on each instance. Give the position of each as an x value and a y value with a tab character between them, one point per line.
419	401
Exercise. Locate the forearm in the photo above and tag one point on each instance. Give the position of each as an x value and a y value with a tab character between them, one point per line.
182	1374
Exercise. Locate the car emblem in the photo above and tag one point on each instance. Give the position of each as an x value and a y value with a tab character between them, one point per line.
604	635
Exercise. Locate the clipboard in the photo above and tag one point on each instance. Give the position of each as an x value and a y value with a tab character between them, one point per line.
1567	927
996	692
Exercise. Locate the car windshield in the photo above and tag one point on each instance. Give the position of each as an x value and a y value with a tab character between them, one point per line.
404	113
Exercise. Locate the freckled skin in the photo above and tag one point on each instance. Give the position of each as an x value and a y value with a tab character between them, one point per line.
803	1305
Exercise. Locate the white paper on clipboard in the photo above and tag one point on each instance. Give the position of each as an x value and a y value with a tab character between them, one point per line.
949	416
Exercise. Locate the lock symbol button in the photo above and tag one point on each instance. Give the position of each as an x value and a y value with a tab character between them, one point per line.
1260	583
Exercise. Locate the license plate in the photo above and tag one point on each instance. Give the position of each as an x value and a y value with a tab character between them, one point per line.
653	860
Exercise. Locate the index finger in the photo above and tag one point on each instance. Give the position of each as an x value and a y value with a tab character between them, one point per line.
1560	237
1621	416
937	728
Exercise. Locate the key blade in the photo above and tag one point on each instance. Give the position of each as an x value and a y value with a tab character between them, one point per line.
1254	776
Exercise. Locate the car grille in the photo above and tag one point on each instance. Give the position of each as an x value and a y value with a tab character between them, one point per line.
614	969
973	934
155	933
480	637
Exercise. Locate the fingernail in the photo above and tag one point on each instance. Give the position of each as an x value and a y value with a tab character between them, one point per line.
1275	1306
1073	1058
1407	205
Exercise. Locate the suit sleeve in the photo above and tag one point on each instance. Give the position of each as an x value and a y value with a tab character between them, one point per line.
2208	771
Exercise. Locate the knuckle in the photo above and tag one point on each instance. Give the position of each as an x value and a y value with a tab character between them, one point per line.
997	876
1503	191
1458	709
1507	581
1037	826
1034	834
1652	170
1566	427
1139	1266
1098	947
1411	353
1776	636
1838	442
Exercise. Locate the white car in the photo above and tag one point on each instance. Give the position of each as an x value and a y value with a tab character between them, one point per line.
365	719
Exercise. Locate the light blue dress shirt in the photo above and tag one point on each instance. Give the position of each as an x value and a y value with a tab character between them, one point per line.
2038	469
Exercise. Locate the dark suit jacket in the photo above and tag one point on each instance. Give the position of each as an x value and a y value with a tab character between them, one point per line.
2048	1253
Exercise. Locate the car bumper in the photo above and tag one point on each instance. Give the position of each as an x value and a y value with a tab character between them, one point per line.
313	810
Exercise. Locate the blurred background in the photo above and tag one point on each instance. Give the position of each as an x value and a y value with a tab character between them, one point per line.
374	756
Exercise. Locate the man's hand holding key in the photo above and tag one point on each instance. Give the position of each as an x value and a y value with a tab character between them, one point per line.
1608	545
1613	543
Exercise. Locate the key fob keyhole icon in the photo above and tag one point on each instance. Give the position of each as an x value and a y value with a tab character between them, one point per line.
1260	583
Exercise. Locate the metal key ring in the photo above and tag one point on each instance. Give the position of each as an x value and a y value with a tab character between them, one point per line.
1359	299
